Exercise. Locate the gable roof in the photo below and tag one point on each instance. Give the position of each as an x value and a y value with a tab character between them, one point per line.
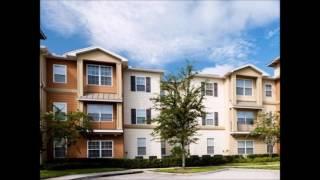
42	35
246	66
274	62
93	48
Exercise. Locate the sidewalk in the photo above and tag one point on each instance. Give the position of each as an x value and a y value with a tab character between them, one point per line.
94	175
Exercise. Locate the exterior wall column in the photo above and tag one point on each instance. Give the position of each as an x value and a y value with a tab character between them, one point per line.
259	91
233	89
80	82
119	116
119	79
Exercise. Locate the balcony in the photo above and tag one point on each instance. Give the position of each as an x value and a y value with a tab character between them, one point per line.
244	127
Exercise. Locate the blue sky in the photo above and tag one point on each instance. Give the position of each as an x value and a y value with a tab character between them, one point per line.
215	35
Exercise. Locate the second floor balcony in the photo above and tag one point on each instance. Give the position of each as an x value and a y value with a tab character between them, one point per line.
242	127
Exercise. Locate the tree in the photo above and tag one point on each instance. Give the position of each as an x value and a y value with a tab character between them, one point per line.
267	126
58	125
180	105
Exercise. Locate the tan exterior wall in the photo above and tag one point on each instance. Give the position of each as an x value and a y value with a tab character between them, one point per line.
259	147
71	73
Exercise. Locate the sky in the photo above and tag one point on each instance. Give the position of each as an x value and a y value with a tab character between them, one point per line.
215	35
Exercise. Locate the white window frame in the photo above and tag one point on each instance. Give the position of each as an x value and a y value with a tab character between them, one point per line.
54	149
101	113
245	146
145	117
100	150
244	87
210	146
265	89
145	83
99	67
212	119
65	73
141	146
245	117
205	88
65	107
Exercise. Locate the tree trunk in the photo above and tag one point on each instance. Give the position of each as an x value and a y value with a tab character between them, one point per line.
183	156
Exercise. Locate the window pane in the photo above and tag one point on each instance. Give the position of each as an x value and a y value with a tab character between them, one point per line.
241	150
163	151
59	69
268	87
249	150
59	78
141	151
210	142
106	153
209	92
106	117
94	154
210	150
141	120
240	83
268	93
93	70
269	148
241	144
59	152
106	80
141	142
94	116
249	144
209	122
93	79
140	80
106	145
140	87
249	121
248	91
106	71
248	83
93	145
249	114
239	91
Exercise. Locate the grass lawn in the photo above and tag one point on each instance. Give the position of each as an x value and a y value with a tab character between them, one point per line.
257	165
189	169
56	173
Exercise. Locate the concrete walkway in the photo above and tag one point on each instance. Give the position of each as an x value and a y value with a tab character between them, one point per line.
95	175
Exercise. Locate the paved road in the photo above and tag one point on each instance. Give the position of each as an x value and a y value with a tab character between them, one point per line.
231	174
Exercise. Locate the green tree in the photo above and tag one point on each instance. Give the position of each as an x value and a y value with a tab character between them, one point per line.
267	126
58	125
180	105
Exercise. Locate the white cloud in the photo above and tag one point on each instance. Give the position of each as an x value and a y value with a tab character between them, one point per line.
272	33
218	69
157	32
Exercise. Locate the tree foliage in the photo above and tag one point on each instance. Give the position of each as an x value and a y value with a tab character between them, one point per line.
180	105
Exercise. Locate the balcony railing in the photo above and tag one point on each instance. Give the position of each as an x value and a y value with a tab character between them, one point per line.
244	127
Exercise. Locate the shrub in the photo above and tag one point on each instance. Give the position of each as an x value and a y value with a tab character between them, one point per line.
193	160
218	159
139	157
152	157
206	160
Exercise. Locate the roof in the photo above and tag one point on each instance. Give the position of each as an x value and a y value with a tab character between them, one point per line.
209	76
274	62
146	70
42	35
92	48
248	65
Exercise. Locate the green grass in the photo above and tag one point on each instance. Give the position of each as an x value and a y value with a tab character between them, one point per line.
257	165
55	173
189	169
253	163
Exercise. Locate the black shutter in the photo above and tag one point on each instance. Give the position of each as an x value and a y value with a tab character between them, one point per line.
133	116
215	87
148	83
216	119
133	83
203	119
148	112
202	88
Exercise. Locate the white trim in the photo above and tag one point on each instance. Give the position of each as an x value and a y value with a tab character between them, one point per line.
146	70
265	90
100	100
108	131
100	112
65	107
112	149
145	83
65	75
248	65
244	86
99	67
54	151
91	48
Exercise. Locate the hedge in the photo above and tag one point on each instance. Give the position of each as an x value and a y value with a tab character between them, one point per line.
153	162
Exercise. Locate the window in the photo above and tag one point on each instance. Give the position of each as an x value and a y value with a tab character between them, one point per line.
60	148
99	112
210	146
209	89
99	75
245	117
141	116
270	148
59	73
216	119
163	148
100	149
245	147
60	110
141	146
244	87
209	119
268	90
141	83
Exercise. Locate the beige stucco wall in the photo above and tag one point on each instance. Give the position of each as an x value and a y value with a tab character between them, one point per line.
259	147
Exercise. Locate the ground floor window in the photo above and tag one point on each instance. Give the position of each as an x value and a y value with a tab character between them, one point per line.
100	149
163	148
142	149
270	148
245	147
60	148
210	147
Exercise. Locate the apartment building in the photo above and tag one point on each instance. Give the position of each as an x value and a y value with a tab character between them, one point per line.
100	83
